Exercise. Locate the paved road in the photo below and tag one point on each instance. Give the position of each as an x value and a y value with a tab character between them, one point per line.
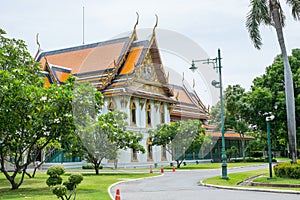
183	185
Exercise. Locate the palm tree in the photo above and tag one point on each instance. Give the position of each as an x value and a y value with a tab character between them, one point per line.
269	12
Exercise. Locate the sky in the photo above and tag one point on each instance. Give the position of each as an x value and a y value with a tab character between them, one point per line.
212	24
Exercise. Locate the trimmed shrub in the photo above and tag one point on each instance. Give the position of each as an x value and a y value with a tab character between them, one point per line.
287	170
89	166
55	170
56	180
59	190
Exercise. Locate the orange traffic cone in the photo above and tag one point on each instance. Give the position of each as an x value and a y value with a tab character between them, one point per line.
118	197
151	170
173	169
162	170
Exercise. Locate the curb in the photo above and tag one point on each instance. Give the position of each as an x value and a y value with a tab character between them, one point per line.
250	189
129	180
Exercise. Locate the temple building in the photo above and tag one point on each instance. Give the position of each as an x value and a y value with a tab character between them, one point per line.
130	74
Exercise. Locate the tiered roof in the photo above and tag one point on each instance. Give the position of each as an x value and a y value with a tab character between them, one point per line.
123	66
189	105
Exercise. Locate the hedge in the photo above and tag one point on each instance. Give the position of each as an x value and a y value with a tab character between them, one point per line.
287	170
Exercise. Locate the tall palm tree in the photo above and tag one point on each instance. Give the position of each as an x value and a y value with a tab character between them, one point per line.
269	12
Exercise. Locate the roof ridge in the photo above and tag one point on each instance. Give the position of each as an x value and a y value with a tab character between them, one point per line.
80	47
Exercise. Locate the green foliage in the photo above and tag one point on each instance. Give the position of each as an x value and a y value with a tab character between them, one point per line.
178	137
232	152
270	13
75	179
55	173
287	170
55	170
102	138
256	154
59	190
267	94
91	166
32	116
54	180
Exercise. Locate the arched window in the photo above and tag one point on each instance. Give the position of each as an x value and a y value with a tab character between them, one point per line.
111	106
133	113
162	114
148	115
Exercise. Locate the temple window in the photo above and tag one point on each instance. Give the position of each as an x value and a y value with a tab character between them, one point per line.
133	113
148	115
149	150
162	114
111	105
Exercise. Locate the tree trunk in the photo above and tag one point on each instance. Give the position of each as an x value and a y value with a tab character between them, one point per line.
96	168
288	80
242	137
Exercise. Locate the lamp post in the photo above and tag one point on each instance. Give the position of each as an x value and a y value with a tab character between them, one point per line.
268	119
217	84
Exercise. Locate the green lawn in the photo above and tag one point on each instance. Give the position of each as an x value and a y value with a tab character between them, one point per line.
277	180
233	178
216	165
238	177
92	187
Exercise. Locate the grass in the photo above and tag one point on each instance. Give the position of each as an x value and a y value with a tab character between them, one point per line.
276	180
216	165
235	178
92	187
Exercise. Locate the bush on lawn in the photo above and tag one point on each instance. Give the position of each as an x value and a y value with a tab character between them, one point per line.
55	182
89	166
287	170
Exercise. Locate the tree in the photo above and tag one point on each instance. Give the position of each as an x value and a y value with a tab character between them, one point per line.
111	131
273	79
178	138
234	120
31	115
270	13
100	135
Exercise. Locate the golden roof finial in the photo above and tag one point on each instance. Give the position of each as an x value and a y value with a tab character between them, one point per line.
137	20
37	41
155	24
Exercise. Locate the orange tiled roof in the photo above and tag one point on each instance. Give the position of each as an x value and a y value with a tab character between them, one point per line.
132	60
182	96
229	135
47	82
187	106
85	58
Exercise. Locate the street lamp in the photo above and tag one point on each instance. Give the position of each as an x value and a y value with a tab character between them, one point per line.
268	119
217	84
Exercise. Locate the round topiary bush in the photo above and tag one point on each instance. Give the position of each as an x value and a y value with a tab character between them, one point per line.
76	178
59	190
56	170
56	180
